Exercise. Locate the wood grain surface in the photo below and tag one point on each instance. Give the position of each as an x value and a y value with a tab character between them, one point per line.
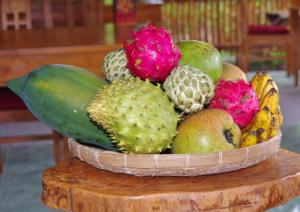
25	50
77	186
16	63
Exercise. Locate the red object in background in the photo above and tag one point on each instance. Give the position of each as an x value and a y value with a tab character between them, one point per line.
267	29
125	12
10	101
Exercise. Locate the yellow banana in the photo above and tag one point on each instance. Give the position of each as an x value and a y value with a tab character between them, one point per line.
279	115
274	126
255	80
268	119
261	120
258	131
269	85
275	86
262	81
248	139
262	133
271	100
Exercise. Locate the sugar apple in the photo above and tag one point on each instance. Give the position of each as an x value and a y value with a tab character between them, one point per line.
137	114
115	65
189	88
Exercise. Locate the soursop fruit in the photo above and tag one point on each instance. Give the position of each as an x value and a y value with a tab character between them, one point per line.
115	65
138	115
189	88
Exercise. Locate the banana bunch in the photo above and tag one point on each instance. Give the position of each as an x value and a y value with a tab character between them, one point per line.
269	118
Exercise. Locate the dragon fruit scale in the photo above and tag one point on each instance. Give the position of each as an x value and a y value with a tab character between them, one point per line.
151	53
238	98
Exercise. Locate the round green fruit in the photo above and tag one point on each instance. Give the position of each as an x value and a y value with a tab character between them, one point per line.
210	130
203	56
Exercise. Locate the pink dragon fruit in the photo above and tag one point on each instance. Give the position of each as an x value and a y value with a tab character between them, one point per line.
238	98
151	53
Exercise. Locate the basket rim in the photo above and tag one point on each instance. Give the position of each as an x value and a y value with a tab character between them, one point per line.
193	164
103	151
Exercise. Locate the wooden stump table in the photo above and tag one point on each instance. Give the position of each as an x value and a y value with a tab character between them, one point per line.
76	186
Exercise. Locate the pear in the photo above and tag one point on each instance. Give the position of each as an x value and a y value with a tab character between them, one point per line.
232	72
210	130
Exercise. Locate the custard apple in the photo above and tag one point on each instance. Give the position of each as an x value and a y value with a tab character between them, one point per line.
189	88
138	115
115	65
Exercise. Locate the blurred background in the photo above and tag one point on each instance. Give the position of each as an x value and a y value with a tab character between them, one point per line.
257	35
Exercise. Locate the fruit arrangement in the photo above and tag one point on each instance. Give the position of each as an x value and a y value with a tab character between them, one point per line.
158	97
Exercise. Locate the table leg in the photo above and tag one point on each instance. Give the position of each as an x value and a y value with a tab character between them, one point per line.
298	47
295	44
1	161
67	154
57	138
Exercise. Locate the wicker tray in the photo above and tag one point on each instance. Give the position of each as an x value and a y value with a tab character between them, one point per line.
176	164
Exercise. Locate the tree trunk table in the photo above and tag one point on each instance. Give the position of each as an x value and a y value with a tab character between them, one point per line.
76	186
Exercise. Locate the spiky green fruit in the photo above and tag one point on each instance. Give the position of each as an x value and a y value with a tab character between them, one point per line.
138	115
115	65
189	88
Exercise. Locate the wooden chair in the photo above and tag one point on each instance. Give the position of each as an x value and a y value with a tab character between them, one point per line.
16	15
260	37
214	21
295	24
72	13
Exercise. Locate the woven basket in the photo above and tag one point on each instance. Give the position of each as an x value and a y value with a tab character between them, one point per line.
176	164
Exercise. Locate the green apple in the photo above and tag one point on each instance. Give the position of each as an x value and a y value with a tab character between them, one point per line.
202	56
210	130
232	72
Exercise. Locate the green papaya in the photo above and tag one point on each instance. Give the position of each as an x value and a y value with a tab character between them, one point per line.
58	95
